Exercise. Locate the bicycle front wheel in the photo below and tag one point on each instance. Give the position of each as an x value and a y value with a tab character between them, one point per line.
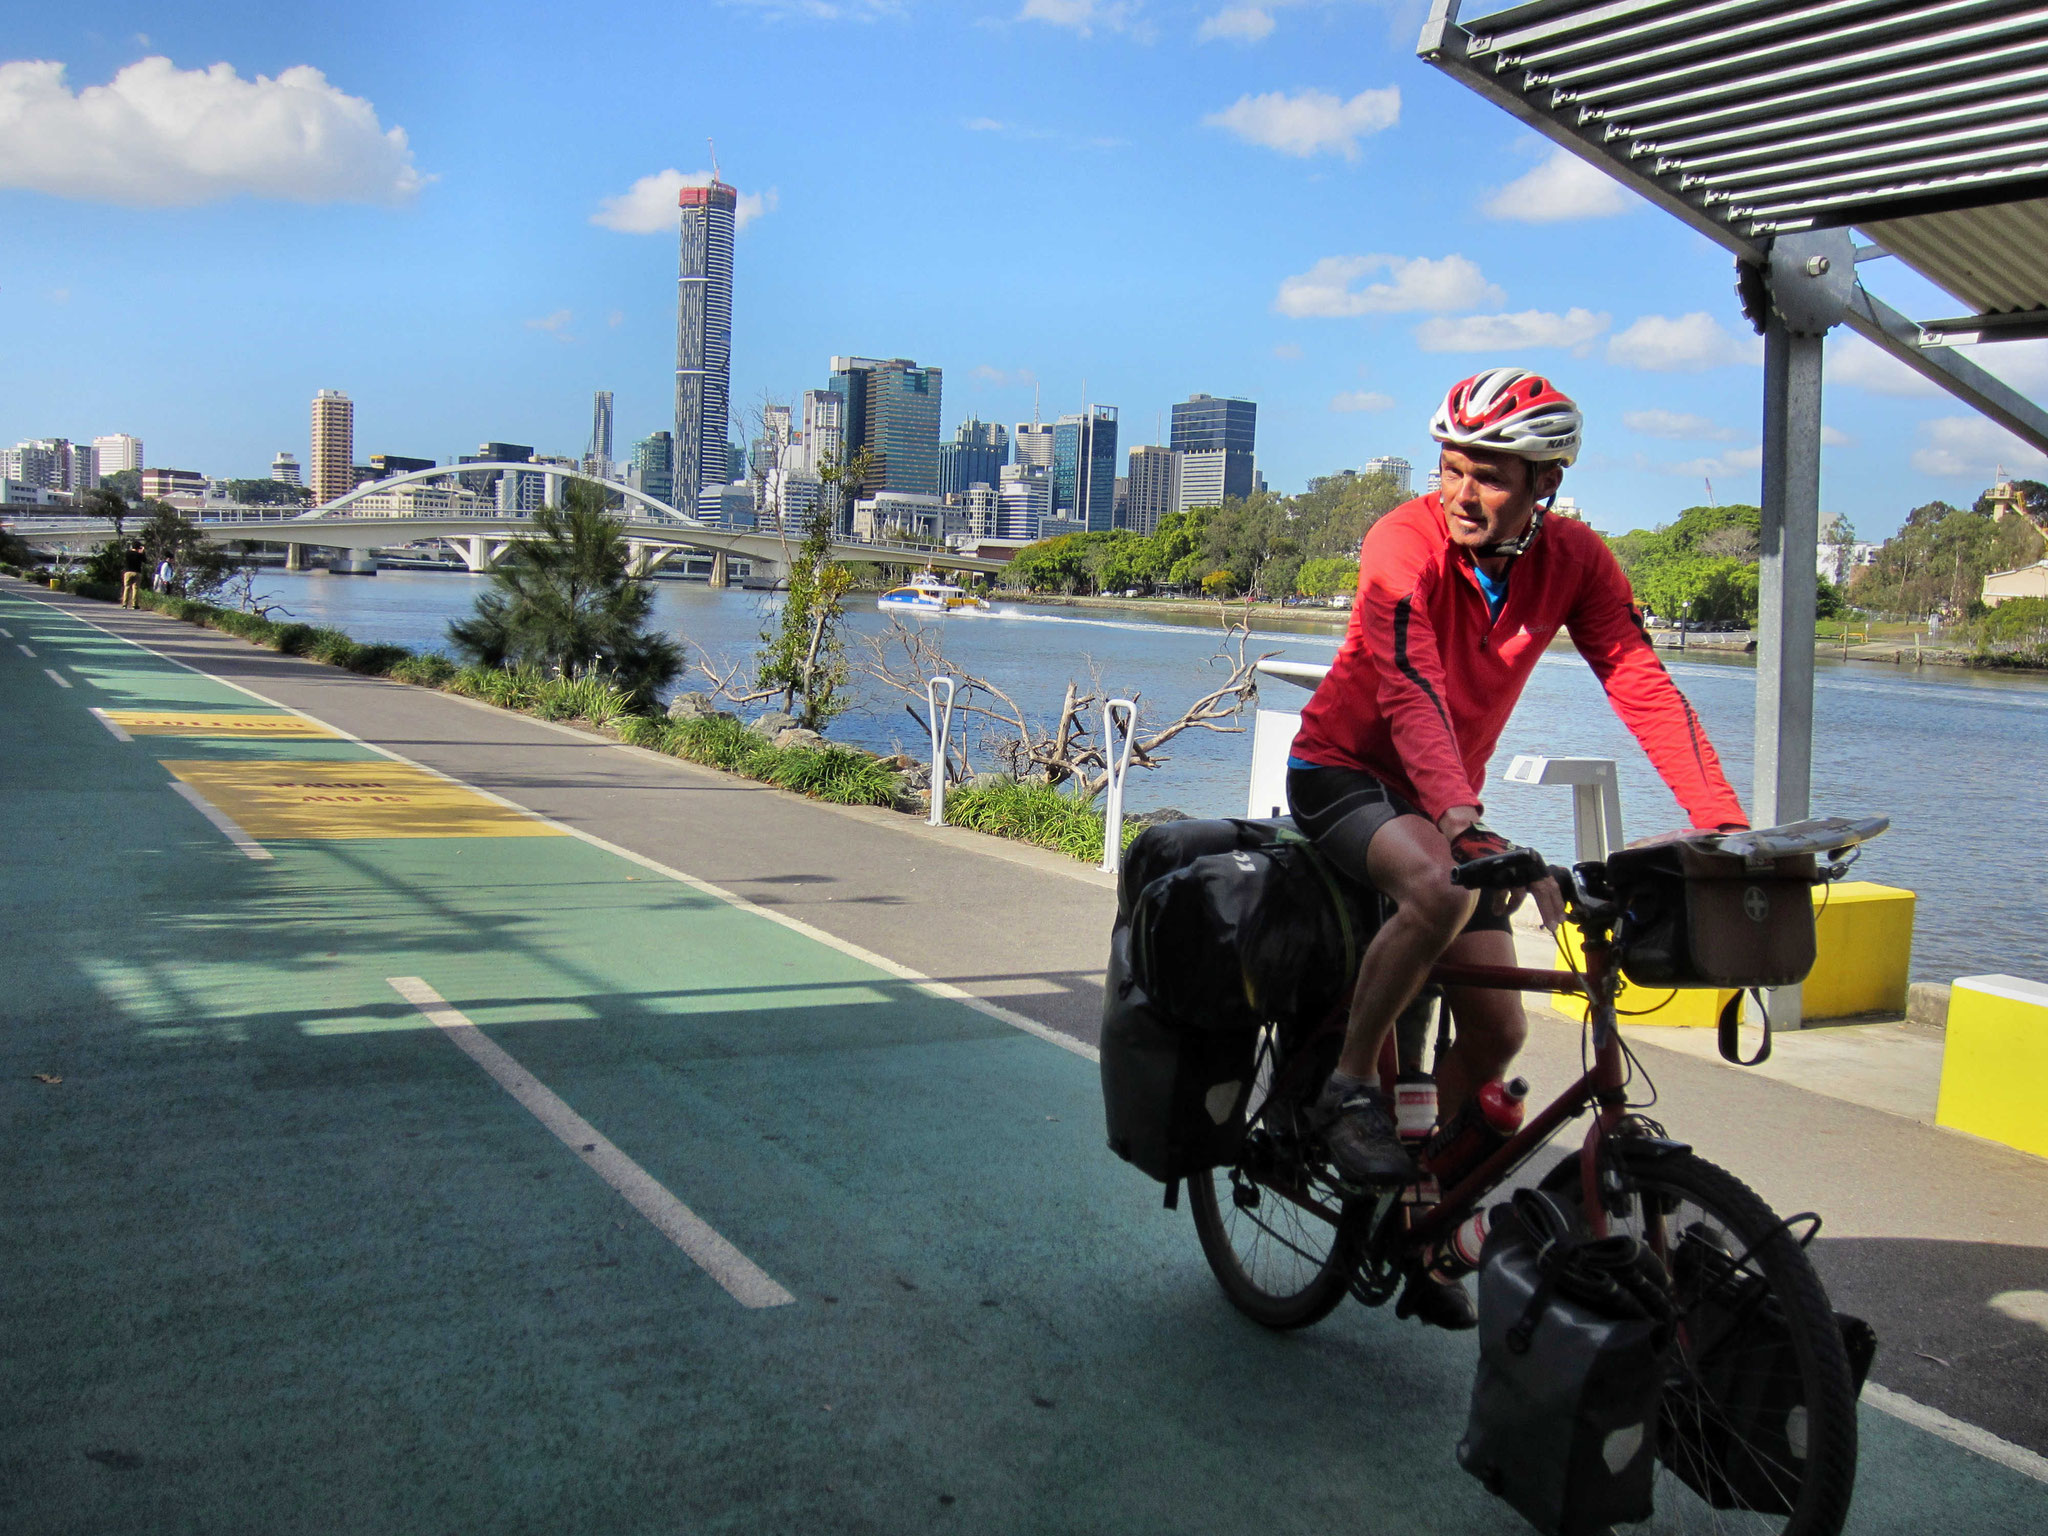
1274	1231
1759	1423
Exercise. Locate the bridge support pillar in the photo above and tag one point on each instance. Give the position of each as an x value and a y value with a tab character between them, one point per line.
718	574
477	553
295	557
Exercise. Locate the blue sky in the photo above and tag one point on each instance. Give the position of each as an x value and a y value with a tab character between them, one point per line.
1137	198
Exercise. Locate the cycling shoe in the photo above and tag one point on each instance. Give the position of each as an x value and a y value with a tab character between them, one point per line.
1440	1303
1359	1134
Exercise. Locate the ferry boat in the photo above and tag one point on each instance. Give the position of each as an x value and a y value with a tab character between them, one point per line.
926	593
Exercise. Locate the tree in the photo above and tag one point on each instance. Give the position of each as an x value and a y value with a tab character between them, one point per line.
562	601
1327	576
1840	535
128	482
803	658
1937	562
199	569
267	493
105	500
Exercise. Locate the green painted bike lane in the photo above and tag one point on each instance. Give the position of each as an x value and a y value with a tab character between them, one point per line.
284	1258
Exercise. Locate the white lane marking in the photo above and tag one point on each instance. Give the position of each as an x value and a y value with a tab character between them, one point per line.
742	1279
2017	1457
732	899
101	715
213	813
57	677
31	655
8	633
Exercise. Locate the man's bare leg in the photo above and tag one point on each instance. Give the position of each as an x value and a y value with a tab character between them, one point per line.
1409	862
1491	1025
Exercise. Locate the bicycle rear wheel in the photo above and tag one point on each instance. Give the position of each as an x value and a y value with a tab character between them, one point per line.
1275	1232
1759	1425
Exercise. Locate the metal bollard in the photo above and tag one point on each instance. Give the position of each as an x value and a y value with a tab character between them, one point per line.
942	730
1113	804
1596	797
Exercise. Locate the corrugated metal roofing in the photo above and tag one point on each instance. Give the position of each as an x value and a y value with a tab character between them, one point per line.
1923	123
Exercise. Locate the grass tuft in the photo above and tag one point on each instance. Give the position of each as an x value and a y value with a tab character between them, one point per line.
1033	813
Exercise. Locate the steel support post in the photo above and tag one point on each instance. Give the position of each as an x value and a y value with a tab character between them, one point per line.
1786	592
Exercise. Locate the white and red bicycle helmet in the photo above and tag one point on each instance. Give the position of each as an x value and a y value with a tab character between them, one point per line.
1510	410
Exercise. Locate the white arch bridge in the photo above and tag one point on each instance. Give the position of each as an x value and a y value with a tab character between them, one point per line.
654	530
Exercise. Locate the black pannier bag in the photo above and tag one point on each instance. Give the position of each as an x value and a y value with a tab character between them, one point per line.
1698	916
1222	925
1748	1450
1253	930
1173	1097
1574	1337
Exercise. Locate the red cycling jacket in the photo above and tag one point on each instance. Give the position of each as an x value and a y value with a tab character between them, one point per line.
1426	680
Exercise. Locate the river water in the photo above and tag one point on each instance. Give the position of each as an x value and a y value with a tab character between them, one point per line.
1954	758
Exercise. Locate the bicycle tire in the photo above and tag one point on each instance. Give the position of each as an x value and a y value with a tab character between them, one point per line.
1738	1220
1282	1265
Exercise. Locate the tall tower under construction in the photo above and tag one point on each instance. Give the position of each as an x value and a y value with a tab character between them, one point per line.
703	343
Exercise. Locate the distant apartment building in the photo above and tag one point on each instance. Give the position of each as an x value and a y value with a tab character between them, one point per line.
653	467
1399	471
285	469
172	484
1084	467
1034	444
55	464
892	409
422	498
1204	479
1208	424
597	454
332	463
18	493
1023	500
115	452
824	430
1152	487
703	343
974	513
976	456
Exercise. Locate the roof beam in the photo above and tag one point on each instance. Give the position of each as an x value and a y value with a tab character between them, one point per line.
1877	322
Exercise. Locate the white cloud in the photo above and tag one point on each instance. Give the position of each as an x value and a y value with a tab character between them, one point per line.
1288	352
1002	378
1084	16
1974	448
1854	361
1562	187
556	325
1835	437
1311	123
1681	344
1681	426
819	10
985	125
648	207
159	136
1325	290
1361	400
615	319
1737	461
1576	329
1237	24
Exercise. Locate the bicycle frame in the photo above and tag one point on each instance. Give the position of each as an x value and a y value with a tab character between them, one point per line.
1600	1088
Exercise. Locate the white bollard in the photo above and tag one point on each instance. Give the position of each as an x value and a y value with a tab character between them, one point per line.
942	730
1118	762
1596	797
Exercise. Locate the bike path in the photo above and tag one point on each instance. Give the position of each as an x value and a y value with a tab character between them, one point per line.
286	1259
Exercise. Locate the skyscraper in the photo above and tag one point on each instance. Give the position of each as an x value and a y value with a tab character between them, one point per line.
285	469
1034	444
976	456
703	343
1205	424
332	463
1154	488
115	452
892	409
1400	471
654	467
597	458
824	429
1084	466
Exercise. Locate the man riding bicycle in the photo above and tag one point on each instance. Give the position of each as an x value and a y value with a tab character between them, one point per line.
1459	593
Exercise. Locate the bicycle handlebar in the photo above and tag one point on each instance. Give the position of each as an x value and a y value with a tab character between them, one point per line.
1501	871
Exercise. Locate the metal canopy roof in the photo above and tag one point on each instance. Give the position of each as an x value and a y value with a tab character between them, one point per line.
1923	124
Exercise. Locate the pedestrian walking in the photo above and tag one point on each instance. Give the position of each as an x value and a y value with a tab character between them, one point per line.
132	562
165	574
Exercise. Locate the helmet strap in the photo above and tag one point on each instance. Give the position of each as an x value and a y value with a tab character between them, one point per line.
1512	548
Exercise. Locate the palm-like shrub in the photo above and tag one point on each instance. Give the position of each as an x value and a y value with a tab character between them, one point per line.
562	602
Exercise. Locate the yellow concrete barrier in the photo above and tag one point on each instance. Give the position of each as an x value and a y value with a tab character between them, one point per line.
1863	952
1994	1067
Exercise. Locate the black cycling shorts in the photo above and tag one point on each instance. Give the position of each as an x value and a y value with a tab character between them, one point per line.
1340	810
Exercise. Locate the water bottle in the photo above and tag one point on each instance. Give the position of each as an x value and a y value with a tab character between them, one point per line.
1481	1128
1414	1107
1458	1254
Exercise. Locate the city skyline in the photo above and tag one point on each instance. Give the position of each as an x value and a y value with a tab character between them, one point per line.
1406	235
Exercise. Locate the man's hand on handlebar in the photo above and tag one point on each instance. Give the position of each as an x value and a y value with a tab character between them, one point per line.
1472	839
